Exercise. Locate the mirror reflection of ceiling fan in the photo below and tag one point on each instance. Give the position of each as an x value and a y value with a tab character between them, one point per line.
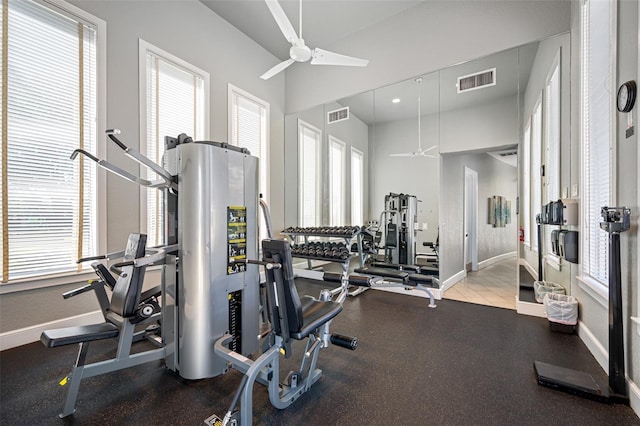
299	51
420	152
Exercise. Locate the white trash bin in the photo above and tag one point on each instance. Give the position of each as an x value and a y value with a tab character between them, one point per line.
562	312
540	288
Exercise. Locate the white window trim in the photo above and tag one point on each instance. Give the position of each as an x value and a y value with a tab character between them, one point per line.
594	288
343	167
266	161
143	48
13	286
361	154
551	259
301	125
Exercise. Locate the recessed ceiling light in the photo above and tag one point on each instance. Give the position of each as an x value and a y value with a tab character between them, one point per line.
395	100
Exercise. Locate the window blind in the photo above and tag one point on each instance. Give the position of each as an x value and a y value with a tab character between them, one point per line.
536	175
357	187
49	108
526	190
175	102
309	165
596	100
249	118
336	181
552	144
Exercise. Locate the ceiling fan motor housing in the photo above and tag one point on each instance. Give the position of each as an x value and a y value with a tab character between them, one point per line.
299	52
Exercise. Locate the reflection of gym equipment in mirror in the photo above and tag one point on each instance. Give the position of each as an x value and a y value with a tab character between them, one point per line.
210	304
615	221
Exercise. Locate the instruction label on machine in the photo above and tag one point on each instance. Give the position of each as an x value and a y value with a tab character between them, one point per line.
236	239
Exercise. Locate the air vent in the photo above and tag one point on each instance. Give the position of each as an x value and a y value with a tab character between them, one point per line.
507	153
477	81
338	115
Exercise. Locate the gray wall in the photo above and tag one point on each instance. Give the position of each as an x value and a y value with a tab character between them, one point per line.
494	178
569	173
194	33
593	314
425	38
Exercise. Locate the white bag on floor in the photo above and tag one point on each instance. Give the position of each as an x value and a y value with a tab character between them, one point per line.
540	288
561	308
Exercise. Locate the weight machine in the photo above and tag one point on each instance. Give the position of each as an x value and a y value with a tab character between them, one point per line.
209	292
398	221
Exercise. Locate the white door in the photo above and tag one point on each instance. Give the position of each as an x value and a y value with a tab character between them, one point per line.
470	219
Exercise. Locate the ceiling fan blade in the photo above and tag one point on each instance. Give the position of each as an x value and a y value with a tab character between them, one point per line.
275	70
430	148
324	57
404	154
282	21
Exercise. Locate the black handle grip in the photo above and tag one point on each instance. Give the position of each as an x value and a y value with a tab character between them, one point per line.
77	291
344	341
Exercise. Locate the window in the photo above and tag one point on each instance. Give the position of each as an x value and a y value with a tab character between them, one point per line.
526	190
175	100
309	138
51	58
357	187
337	181
249	128
598	38
552	148
536	176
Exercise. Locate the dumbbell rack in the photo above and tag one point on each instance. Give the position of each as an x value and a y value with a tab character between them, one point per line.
328	232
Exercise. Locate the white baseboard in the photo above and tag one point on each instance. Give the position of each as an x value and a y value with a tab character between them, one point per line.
449	282
634	397
23	336
532	309
595	347
496	259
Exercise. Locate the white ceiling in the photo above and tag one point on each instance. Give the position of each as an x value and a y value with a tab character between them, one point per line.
324	22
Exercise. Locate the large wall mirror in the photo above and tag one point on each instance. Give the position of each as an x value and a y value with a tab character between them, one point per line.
469	122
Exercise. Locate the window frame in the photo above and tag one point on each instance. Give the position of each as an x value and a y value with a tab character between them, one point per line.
595	288
554	173
536	173
143	48
50	280
318	213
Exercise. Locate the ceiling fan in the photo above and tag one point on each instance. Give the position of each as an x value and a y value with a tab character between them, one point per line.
420	152
300	52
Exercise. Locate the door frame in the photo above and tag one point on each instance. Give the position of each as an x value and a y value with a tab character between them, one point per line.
470	219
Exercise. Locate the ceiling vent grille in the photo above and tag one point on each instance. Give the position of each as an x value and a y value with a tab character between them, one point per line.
477	81
508	153
338	115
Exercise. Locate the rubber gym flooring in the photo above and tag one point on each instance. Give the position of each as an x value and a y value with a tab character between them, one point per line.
458	364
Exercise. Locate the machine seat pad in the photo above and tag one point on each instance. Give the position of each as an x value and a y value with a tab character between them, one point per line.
84	333
315	313
429	270
421	279
386	273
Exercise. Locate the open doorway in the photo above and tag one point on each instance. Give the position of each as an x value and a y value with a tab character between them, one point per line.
480	193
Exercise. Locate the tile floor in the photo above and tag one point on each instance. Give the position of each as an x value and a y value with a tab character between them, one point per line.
494	285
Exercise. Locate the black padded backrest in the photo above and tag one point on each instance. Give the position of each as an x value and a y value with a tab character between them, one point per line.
280	251
104	274
126	292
